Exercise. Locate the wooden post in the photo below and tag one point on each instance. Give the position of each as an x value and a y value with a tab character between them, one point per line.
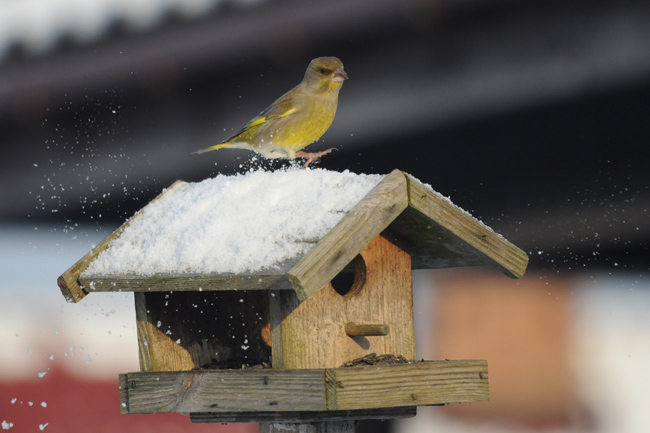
316	427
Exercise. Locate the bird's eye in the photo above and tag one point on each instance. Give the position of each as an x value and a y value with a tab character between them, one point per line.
323	71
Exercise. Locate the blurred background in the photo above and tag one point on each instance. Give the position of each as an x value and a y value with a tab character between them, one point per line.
532	116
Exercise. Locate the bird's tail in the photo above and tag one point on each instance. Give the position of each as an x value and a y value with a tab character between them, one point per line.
216	146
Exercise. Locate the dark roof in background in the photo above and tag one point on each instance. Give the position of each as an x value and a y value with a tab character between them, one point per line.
531	116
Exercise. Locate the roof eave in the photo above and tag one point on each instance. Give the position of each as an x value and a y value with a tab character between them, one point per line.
439	234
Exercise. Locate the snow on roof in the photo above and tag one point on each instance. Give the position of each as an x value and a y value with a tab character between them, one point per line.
234	224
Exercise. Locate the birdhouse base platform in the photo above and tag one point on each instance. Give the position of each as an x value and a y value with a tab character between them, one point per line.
261	395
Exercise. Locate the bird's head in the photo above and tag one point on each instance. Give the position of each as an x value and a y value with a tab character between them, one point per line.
325	74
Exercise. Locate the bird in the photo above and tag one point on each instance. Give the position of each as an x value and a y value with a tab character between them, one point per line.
297	118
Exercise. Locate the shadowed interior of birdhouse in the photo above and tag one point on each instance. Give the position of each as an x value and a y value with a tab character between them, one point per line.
352	278
198	330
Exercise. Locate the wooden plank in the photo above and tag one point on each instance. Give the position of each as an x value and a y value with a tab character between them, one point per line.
257	390
249	392
183	282
491	248
68	281
305	417
342	244
425	383
313	332
275	320
124	395
144	331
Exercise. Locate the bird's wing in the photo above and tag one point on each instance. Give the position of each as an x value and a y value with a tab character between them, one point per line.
277	110
253	133
271	114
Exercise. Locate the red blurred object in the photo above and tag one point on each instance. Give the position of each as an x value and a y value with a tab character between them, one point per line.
60	402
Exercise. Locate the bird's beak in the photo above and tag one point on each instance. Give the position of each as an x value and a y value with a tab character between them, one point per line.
339	75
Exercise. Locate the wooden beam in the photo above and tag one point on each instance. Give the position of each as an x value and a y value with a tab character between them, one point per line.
68	282
256	390
279	390
435	382
341	245
305	417
183	282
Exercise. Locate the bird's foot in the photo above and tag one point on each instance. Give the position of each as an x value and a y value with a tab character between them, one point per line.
312	156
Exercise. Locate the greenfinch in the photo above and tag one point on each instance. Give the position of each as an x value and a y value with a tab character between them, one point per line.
296	119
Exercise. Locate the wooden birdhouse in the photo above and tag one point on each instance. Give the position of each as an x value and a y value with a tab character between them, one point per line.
326	335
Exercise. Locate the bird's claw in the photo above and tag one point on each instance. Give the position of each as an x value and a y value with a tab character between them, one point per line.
313	156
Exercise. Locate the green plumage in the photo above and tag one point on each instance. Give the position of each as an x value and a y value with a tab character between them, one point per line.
296	119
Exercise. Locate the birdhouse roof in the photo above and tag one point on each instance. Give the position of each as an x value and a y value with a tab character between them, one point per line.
290	230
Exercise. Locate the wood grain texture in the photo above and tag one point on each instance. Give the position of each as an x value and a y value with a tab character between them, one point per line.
484	244
306	416
342	244
145	339
432	382
124	395
272	390
313	331
183	282
251	392
68	282
275	321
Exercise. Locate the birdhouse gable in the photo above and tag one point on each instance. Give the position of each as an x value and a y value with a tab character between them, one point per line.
294	229
370	311
439	235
